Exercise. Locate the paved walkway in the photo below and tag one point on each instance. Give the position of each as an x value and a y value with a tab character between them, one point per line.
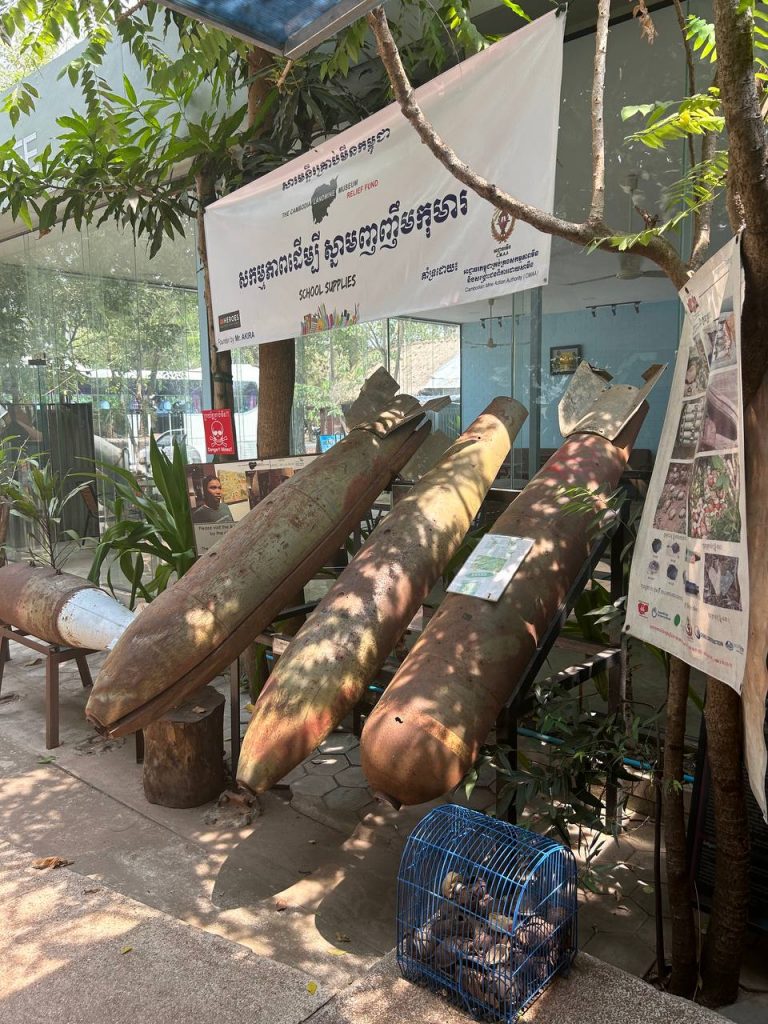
82	953
307	888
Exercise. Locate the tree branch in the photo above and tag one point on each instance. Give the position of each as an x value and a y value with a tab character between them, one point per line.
688	50
703	221
658	249
597	205
702	218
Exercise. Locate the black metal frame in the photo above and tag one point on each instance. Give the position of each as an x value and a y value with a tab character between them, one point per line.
612	659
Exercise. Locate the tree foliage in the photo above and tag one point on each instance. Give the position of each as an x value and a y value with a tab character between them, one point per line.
132	150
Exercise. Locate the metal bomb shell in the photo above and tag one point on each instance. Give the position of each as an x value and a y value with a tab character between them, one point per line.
426	731
60	608
197	627
346	640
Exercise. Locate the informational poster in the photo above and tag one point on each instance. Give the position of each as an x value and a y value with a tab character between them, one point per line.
220	496
370	224
490	567
689	583
219	432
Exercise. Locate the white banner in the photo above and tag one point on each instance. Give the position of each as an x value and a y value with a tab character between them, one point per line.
689	584
370	224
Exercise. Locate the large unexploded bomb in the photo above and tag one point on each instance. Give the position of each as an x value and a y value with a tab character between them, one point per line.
426	731
60	608
344	643
197	627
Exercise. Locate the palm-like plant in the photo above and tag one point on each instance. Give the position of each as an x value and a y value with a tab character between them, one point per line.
145	525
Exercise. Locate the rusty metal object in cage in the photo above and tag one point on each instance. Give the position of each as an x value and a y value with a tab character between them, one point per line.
486	911
355	627
427	729
197	627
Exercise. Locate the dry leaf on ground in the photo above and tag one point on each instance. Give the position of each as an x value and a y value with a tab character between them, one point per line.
43	863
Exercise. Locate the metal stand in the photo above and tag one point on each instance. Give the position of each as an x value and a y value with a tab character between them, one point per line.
55	655
234	712
612	660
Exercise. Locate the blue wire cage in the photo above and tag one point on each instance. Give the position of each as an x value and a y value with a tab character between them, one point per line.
486	911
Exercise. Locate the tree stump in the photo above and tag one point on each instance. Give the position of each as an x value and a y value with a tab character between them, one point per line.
184	753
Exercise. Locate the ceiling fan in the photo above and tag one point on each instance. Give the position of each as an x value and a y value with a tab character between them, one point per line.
490	343
630	269
630	263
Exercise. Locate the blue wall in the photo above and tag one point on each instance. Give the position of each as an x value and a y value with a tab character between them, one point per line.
625	344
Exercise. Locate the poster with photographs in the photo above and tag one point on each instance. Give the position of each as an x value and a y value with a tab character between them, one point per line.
689	583
220	495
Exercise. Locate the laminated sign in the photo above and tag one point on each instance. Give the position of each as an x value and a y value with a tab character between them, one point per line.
370	224
219	435
689	584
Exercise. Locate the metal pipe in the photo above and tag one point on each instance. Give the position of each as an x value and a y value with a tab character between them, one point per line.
631	762
427	729
344	644
197	627
60	608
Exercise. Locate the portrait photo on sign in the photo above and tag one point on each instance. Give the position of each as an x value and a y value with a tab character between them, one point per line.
216	495
672	507
721	582
713	512
688	429
720	427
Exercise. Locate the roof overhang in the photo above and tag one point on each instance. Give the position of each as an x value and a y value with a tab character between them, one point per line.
286	27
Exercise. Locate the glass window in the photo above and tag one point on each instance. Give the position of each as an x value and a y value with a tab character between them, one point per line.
86	318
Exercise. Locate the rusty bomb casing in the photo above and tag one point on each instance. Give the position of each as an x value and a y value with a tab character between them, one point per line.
346	640
60	608
197	627
427	729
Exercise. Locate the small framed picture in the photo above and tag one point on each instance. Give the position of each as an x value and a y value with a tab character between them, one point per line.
564	358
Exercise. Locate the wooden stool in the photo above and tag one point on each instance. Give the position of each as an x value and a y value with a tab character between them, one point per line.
184	753
55	655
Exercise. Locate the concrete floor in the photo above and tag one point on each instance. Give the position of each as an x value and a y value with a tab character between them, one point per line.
309	884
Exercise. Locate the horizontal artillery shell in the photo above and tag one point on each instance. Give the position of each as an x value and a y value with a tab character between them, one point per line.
60	608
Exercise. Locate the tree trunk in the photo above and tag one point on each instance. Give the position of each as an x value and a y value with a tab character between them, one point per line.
755	689
277	374
221	362
184	753
748	198
684	975
277	360
724	943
